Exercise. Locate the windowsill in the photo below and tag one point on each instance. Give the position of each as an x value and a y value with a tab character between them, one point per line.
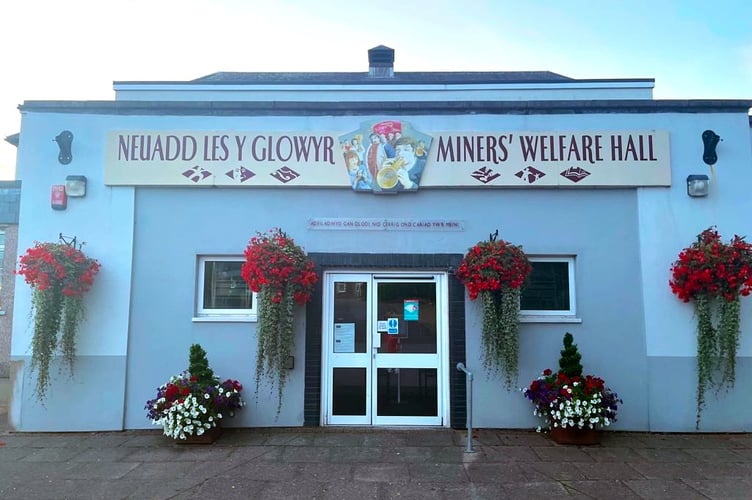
224	319
549	319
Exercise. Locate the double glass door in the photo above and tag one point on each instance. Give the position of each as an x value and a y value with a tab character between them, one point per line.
385	342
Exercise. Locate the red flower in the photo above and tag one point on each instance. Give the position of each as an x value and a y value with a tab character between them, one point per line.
493	265
273	260
712	268
57	266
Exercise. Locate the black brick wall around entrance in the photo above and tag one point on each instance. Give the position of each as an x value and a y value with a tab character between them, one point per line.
393	262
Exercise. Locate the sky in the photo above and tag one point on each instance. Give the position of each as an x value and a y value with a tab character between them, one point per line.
75	50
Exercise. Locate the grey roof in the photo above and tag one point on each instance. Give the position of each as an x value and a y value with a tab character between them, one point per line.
444	77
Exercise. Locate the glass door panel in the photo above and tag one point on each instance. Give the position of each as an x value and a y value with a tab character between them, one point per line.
384	338
348	350
406	357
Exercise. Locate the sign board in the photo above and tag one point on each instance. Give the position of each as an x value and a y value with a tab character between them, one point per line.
404	159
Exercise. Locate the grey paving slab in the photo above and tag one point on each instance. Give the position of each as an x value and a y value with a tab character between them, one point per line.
52	454
714	455
478	492
556	471
408	454
608	470
601	489
413	491
652	470
381	473
381	463
485	473
306	454
293	490
535	490
723	489
663	489
351	490
508	453
14	454
675	455
561	453
452	473
355	454
147	471
324	472
612	454
103	471
103	454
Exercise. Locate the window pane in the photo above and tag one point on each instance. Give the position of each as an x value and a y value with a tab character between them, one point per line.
350	316
407	392
547	288
224	288
416	332
349	391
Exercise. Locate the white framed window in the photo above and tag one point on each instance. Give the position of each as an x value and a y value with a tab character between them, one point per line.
549	293
221	292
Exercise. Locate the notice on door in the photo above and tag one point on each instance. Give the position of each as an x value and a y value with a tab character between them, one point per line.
344	337
392	326
411	309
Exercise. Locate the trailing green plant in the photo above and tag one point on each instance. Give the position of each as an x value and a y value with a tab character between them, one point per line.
495	270
283	276
59	275
714	275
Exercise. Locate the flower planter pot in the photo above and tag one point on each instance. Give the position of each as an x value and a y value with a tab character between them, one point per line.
207	437
573	435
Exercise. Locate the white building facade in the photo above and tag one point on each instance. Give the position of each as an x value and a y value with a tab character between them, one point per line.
589	176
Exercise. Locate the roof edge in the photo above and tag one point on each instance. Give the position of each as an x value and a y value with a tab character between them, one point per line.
288	108
368	81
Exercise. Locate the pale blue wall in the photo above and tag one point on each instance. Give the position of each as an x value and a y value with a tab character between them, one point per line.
634	333
669	221
104	221
220	221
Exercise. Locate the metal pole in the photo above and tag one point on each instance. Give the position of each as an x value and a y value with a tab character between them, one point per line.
469	376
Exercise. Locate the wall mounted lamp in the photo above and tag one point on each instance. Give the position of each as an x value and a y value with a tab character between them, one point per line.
75	186
698	185
710	141
64	141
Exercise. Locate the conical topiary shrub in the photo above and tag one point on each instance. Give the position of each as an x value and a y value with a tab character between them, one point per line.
199	366
569	363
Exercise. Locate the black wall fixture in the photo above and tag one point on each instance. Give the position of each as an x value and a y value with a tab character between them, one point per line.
710	140
65	142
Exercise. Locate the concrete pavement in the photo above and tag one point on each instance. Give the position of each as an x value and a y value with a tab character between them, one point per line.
361	464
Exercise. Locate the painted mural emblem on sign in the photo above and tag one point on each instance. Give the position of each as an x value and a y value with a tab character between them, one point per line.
575	174
385	157
530	174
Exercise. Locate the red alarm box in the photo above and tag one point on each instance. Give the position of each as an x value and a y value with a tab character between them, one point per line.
58	198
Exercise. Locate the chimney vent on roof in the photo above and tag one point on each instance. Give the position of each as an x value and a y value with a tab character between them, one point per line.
381	62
